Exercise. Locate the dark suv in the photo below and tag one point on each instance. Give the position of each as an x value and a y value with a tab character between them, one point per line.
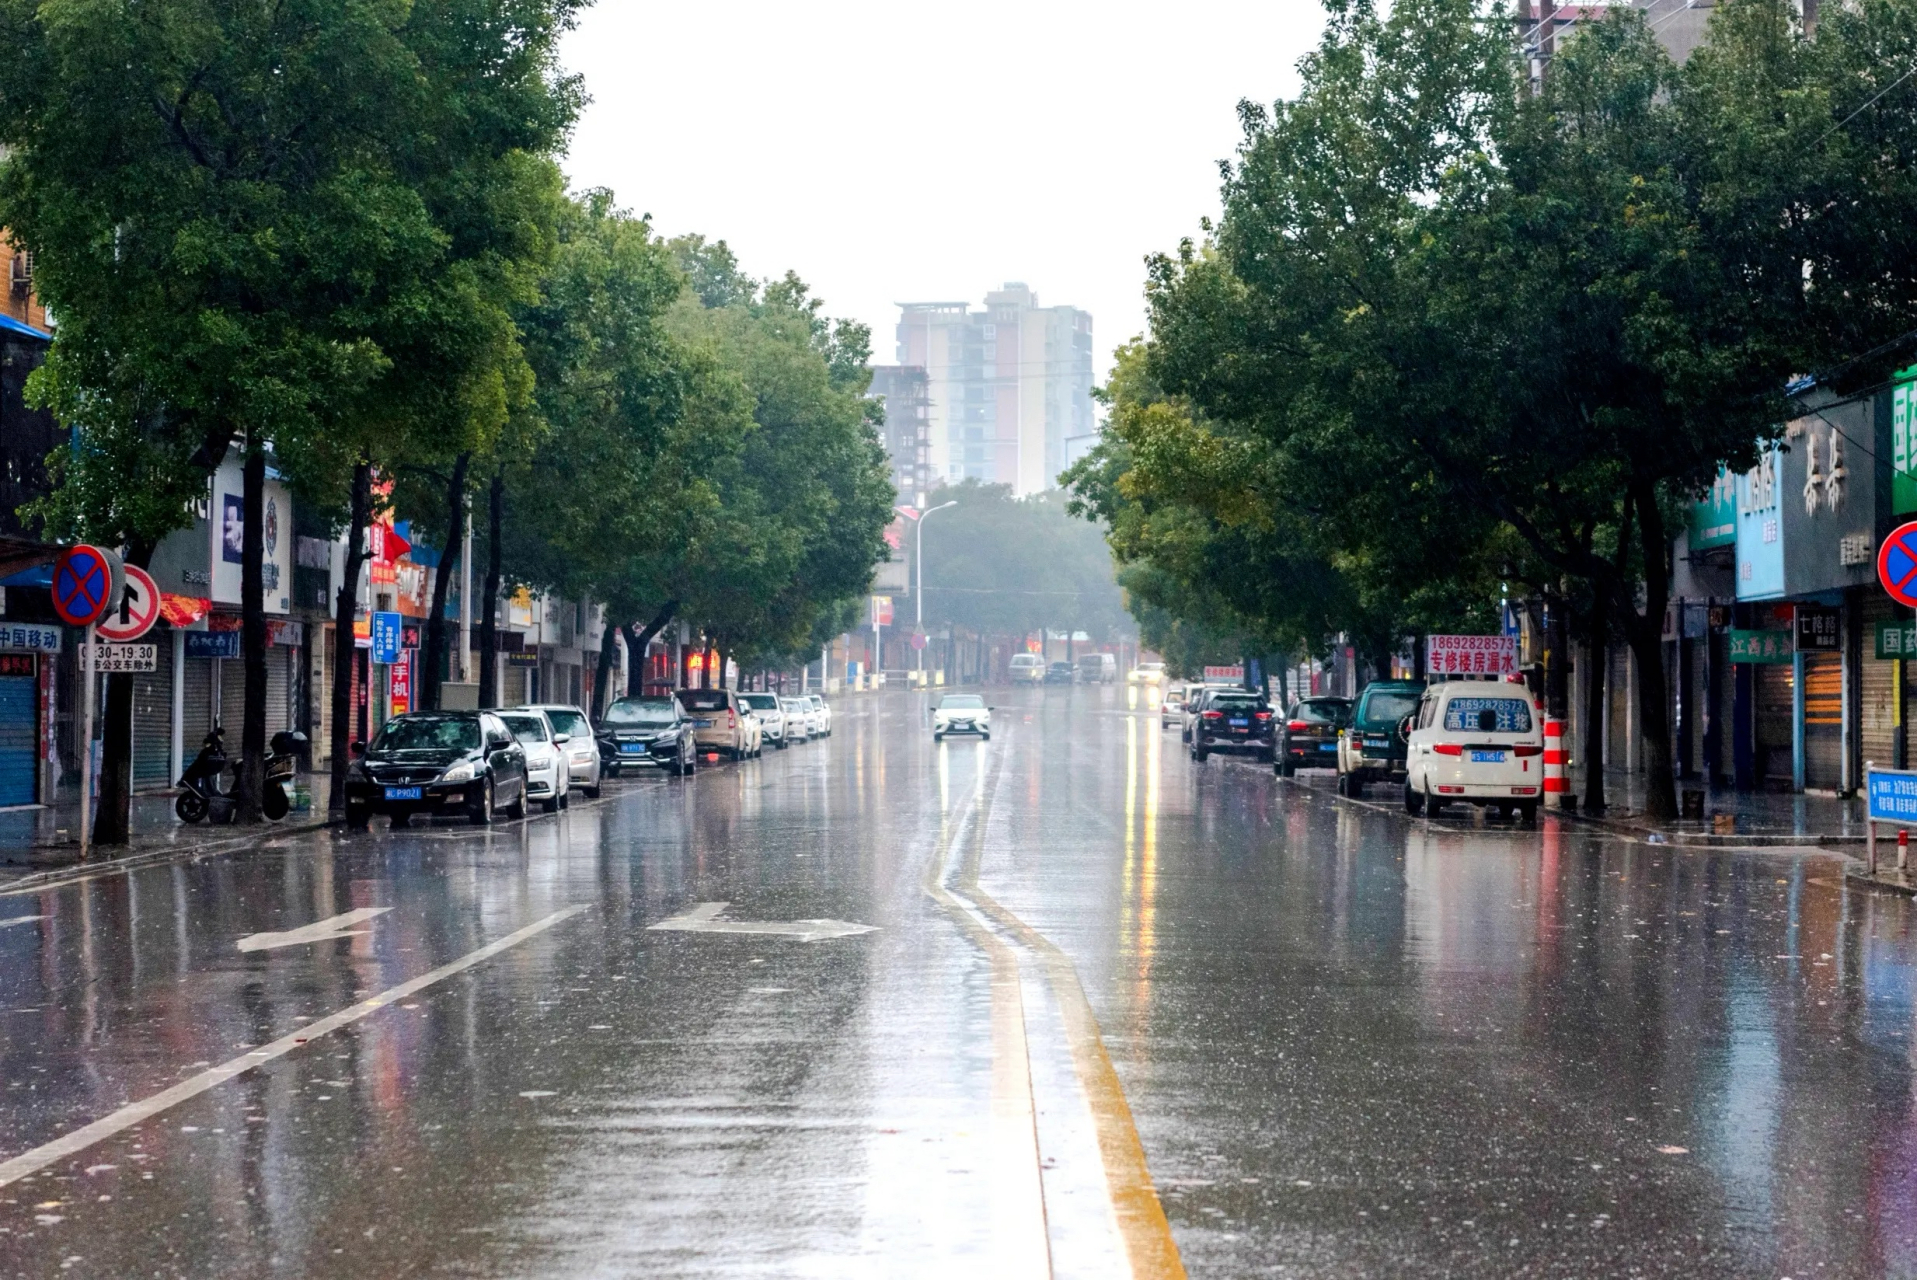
437	762
1373	749
1236	720
1309	737
651	731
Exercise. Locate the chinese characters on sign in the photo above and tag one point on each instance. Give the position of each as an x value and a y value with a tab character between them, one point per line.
1471	655
1896	640
386	637
109	658
1761	646
1817	629
1893	795
402	686
14	635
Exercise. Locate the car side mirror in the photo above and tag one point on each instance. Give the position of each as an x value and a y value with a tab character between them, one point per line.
358	747
561	739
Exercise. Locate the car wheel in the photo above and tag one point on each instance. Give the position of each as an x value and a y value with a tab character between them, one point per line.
1356	789
517	809
483	814
1528	812
1200	753
937	736
550	806
1432	805
358	817
780	744
1286	768
985	737
592	792
1268	756
1413	799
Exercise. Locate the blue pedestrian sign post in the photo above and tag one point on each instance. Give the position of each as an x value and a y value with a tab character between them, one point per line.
386	638
1890	795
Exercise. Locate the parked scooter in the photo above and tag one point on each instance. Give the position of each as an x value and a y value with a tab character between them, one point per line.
204	795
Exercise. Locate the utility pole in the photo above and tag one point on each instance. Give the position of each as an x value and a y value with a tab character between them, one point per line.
918	589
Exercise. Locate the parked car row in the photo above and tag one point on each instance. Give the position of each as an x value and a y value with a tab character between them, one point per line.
479	764
1472	741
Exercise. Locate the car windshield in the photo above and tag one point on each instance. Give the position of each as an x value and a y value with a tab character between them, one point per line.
962	701
795	704
1236	703
703	699
428	733
569	722
817	701
1151	666
761	701
640	711
1383	708
526	728
1488	715
1332	711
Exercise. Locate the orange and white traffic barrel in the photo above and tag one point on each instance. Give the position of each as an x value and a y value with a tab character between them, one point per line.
1554	783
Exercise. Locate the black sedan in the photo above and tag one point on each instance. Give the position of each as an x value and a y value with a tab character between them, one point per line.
1309	738
647	731
437	762
1061	673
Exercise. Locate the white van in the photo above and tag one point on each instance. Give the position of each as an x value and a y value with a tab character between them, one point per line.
1477	741
1097	668
1028	668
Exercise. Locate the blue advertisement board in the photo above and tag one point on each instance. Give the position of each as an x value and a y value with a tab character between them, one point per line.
1760	529
212	644
1893	795
386	637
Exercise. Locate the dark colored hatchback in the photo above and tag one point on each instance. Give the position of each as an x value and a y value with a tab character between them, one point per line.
437	762
1309	736
647	731
1234	720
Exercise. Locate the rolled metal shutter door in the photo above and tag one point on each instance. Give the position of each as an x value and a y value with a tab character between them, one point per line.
1823	721
153	722
196	711
1876	719
1776	720
19	725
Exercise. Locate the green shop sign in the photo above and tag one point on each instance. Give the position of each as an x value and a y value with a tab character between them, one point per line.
1762	646
1897	639
1714	517
1903	441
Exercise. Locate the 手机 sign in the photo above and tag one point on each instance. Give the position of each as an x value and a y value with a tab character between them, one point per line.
1471	655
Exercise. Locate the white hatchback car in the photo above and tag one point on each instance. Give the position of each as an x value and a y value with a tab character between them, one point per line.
547	777
581	752
822	725
769	709
1476	741
798	719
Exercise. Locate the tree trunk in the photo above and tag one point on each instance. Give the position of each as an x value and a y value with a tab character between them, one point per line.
113	819
426	682
1591	749
253	633
1645	633
1557	657
489	618
345	606
608	656
637	644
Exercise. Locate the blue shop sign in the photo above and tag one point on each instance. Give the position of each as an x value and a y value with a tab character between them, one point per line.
387	638
1760	529
212	644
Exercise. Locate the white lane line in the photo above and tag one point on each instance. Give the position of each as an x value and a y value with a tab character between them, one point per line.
319	931
133	1113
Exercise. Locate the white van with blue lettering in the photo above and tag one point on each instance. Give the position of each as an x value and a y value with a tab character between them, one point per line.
1476	741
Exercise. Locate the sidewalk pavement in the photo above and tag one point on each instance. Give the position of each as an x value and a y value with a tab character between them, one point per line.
1761	817
39	840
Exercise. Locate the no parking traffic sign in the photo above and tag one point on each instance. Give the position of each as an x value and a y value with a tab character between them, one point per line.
137	609
1897	564
86	581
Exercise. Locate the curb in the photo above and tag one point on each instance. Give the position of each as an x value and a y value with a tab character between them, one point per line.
56	876
1883	881
1711	839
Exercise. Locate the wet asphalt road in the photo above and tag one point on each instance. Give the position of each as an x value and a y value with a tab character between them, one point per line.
1328	1040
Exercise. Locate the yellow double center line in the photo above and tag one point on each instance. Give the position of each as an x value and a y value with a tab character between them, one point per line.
1146	1234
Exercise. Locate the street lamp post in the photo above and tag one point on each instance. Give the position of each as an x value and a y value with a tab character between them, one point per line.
918	596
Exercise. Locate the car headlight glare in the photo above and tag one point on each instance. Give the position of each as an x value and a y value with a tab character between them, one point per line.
461	772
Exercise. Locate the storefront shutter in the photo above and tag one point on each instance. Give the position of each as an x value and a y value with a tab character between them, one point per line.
1823	721
19	724
196	708
1876	721
1776	717
153	721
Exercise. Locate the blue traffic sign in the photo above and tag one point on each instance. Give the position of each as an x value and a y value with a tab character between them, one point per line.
386	638
1893	795
82	584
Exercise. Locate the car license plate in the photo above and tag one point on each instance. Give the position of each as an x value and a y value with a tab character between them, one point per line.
1487	757
1327	746
632	748
404	793
1239	724
702	724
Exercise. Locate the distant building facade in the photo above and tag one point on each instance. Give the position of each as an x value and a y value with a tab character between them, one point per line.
1009	388
907	433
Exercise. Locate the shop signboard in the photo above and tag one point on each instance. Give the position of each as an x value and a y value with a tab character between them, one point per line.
1893	795
212	644
1903	441
1471	655
1817	629
228	537
30	637
1896	640
385	637
1761	646
881	611
1714	516
1760	529
110	658
401	687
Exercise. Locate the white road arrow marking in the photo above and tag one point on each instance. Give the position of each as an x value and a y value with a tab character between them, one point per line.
703	917
319	931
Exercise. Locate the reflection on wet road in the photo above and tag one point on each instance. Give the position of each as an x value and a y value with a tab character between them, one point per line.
1327	1039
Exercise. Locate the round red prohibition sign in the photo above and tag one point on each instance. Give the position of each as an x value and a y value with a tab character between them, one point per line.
1897	564
135	612
82	584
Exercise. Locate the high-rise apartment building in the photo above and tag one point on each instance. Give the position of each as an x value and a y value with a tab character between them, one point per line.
907	433
1009	388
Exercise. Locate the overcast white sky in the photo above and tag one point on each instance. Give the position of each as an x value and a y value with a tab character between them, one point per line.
890	152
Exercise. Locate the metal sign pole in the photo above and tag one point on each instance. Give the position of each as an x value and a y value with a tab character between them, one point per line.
1870	827
86	743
